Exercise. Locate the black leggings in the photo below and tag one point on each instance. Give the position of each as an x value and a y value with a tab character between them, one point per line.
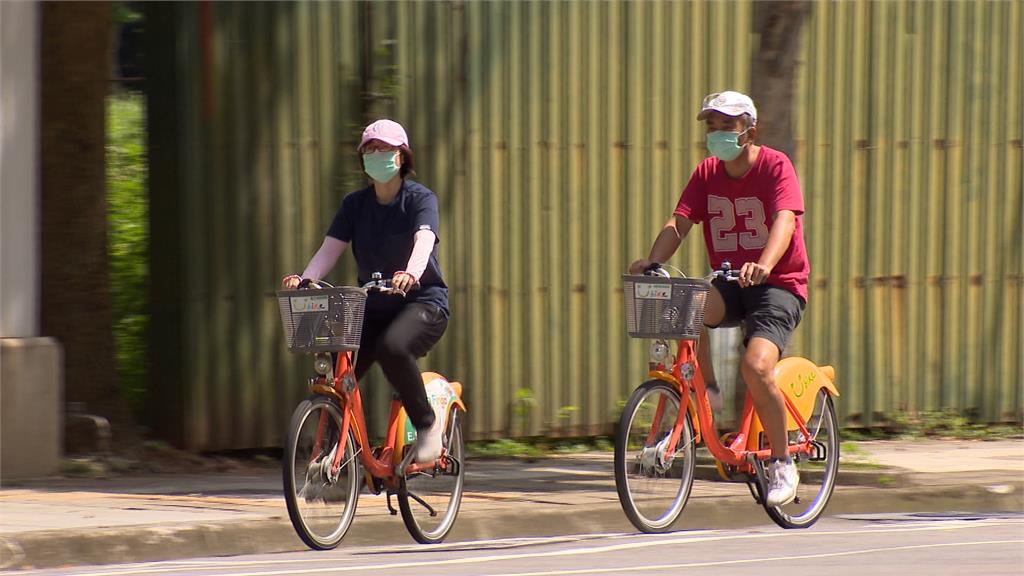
395	339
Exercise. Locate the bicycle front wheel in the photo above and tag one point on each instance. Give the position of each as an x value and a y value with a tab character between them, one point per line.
817	473
653	483
430	500
321	497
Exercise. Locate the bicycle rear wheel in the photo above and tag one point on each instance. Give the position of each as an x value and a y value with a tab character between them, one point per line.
321	501
430	500
817	473
653	485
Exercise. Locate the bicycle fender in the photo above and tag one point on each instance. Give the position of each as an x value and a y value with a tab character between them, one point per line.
429	377
800	380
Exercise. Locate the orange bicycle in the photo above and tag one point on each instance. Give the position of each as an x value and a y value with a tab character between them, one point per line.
328	441
656	440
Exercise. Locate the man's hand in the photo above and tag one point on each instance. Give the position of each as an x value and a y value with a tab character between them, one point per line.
753	274
639	266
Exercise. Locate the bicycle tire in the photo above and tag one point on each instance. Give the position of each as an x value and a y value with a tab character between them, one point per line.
434	490
648	468
321	509
798	514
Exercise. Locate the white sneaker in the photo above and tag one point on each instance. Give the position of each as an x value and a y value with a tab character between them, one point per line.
783	479
427	448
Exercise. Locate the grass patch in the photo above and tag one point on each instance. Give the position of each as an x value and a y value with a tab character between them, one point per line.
503	448
538	447
851	448
933	424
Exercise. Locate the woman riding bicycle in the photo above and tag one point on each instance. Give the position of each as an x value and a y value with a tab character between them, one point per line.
392	227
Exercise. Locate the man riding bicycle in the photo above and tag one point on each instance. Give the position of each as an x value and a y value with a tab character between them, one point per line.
748	200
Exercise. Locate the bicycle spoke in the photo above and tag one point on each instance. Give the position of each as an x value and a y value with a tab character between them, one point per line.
817	470
321	501
653	485
430	500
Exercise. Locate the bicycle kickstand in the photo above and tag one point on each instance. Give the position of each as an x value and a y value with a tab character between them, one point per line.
391	508
756	485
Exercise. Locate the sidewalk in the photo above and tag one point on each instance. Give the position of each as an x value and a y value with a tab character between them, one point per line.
75	521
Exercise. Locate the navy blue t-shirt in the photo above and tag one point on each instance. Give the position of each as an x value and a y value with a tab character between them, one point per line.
382	240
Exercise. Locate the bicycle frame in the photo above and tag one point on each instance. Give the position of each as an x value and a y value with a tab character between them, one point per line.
735	454
351	404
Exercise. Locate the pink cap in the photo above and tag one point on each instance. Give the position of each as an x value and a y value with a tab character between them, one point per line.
387	131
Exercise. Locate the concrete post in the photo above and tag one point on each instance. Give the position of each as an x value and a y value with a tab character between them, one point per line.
31	382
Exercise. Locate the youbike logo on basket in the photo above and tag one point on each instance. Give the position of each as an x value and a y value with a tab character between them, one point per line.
309	303
646	291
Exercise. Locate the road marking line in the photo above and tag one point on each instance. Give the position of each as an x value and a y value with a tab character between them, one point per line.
573	552
752	560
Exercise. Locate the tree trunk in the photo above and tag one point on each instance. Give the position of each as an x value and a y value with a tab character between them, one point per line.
76	305
773	74
772	86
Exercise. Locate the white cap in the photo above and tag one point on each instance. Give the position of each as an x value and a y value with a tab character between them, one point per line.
729	103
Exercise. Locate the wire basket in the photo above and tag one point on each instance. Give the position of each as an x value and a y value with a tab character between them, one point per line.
671	308
322	320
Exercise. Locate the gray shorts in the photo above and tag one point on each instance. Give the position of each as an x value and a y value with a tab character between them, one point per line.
764	311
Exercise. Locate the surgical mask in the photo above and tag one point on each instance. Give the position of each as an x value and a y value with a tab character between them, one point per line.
381	166
725	145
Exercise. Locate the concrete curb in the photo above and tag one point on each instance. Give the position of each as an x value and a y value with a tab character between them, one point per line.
64	548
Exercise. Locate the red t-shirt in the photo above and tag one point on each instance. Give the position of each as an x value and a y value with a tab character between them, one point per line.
737	215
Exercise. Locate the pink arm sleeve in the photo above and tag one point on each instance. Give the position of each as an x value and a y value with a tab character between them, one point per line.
421	249
325	258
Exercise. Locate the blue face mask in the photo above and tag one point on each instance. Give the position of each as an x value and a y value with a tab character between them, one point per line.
381	166
725	145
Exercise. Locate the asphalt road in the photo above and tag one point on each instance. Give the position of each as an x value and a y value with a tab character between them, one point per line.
904	544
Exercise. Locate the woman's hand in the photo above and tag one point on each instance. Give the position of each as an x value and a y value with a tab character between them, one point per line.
403	281
291	281
639	266
753	274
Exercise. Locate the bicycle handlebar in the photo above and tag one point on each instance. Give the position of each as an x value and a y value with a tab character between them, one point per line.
385	285
725	272
306	283
377	284
655	269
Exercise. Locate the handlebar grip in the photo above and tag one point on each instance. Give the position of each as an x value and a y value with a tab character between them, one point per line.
309	283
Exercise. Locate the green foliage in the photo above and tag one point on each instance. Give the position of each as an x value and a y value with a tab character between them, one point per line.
523	407
947	424
566	412
122	13
128	213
